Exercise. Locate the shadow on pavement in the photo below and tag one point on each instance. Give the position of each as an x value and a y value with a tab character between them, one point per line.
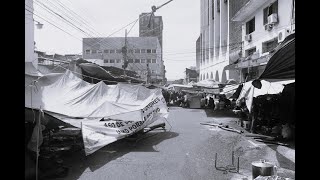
220	113
284	162
78	162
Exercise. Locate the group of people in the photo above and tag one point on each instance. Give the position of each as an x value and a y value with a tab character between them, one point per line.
176	98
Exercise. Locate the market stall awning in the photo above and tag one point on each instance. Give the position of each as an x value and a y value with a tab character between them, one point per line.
282	62
207	83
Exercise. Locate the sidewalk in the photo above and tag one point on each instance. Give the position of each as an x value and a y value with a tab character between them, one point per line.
250	150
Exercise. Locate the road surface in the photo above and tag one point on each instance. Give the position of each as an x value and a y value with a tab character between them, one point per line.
186	151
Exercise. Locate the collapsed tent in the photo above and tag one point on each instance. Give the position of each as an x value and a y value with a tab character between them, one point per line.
282	62
105	113
249	91
229	90
103	73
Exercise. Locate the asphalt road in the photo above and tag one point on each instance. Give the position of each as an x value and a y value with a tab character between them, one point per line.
186	151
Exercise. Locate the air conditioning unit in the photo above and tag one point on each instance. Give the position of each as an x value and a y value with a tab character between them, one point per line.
268	27
283	34
273	19
248	37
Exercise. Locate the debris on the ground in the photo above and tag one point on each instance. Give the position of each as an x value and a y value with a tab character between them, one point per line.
271	178
224	127
229	168
272	142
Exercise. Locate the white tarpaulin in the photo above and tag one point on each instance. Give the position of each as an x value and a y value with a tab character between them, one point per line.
125	108
249	91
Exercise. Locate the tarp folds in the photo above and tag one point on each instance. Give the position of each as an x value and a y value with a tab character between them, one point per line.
207	83
125	108
282	62
249	91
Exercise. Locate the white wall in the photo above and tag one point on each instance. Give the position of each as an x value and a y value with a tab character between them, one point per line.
29	34
261	35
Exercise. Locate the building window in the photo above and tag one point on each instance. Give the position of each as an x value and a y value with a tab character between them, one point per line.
154	61
212	4
119	51
154	51
148	50
148	60
143	51
106	51
99	51
250	26
88	51
106	61
112	51
143	61
249	52
118	60
137	51
272	9
130	51
137	61
111	60
130	60
94	51
269	45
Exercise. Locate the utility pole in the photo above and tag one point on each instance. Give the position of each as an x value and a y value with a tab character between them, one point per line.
124	53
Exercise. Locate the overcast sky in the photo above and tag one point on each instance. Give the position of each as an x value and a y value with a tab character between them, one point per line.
181	21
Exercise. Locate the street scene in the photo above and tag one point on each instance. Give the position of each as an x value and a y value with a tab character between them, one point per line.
139	90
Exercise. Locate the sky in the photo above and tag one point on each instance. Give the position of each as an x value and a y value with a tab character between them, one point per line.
181	26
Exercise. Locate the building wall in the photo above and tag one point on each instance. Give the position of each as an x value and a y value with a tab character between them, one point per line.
157	70
261	35
198	53
214	30
30	55
155	29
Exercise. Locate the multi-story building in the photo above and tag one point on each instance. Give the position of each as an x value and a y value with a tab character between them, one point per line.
143	55
214	40
152	26
264	25
198	55
30	55
241	30
191	75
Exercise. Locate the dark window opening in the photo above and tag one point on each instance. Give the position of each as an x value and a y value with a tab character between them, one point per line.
212	9
250	26
249	52
112	51
269	46
148	60
130	60
148	50
111	60
272	9
137	61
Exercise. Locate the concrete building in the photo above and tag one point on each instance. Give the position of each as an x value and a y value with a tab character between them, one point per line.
244	31
143	55
214	29
198	55
191	75
264	25
30	55
152	26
